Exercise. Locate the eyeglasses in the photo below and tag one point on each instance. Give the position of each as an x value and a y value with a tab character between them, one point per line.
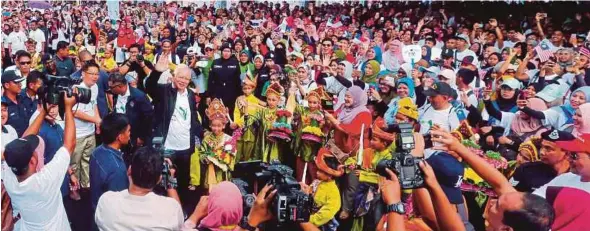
90	73
326	44
25	63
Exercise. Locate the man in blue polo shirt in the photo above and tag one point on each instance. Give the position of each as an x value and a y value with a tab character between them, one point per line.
18	115
65	65
108	171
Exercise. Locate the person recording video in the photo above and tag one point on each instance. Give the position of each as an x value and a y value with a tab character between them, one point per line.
33	186
138	207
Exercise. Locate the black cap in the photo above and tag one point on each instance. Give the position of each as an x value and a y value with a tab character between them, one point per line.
18	153
554	135
9	76
225	45
447	53
269	55
449	174
439	88
45	58
4	100
467	75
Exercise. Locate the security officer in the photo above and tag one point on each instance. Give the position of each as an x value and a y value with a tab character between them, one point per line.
224	78
18	113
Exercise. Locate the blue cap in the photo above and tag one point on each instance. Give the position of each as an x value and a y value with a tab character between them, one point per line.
449	174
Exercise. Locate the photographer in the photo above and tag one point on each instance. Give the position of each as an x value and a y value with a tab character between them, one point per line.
514	210
137	64
34	187
138	208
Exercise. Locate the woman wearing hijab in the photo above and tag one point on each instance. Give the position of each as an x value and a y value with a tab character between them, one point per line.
304	85
518	127
246	67
373	54
392	58
582	120
560	117
405	89
224	210
506	98
426	53
371	71
348	127
261	74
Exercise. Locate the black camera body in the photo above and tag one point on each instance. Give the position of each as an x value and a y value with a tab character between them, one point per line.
290	205
167	179
404	165
52	91
139	58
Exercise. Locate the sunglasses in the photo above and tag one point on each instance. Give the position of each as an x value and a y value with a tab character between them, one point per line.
326	45
25	63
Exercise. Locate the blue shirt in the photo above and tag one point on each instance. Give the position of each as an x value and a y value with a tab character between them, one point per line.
18	114
29	104
65	67
53	135
107	172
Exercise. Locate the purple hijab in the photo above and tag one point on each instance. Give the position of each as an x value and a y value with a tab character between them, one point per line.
359	104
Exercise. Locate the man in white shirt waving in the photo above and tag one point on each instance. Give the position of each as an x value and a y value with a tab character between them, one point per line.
34	187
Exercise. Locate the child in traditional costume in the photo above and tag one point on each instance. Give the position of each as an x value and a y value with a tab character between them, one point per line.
325	192
275	124
308	125
366	211
247	106
217	152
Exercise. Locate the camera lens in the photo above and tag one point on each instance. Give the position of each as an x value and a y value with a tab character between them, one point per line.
84	95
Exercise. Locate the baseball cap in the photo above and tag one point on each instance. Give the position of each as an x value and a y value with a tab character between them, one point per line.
226	46
18	153
191	51
447	74
579	144
209	46
511	83
467	60
269	55
439	88
447	53
449	174
555	135
466	75
9	76
550	93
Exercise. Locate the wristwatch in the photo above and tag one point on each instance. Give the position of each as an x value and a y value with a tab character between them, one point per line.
397	207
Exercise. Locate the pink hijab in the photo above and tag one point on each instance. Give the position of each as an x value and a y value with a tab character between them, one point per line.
521	126
224	208
585	126
347	114
40	153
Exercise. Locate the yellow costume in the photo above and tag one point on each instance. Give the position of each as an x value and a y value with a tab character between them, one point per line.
326	198
246	108
216	153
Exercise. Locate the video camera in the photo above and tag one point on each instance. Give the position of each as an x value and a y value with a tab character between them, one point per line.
168	181
290	204
51	91
404	165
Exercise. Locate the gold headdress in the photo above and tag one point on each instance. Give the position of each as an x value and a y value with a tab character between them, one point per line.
275	89
217	111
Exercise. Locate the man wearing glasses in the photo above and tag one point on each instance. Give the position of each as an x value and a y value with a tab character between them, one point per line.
569	193
23	65
87	120
136	106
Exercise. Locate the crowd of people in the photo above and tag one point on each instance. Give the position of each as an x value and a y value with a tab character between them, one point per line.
183	95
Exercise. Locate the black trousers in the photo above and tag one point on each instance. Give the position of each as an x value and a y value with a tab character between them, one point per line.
181	160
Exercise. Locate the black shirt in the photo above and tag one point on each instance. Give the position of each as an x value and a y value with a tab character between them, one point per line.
530	176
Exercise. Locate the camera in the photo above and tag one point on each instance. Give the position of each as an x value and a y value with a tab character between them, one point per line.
51	92
168	181
290	205
139	58
404	165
